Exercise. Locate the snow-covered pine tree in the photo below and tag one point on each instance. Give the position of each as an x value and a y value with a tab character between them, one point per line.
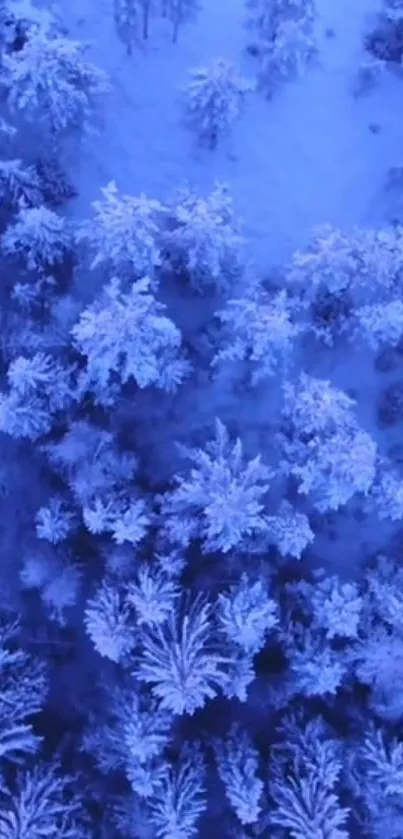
220	501
377	660
55	521
39	388
50	84
379	324
127	334
304	785
286	57
259	330
336	607
179	798
316	669
203	239
62	591
124	516
376	781
384	591
125	233
181	659
316	406
129	732
265	16
378	650
326	450
153	595
40	236
91	463
363	261
289	530
19	185
246	614
241	673
40	801
214	99
350	281
237	762
335	468
386	496
24	689
108	623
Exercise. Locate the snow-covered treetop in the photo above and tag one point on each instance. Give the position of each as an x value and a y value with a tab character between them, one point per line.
182	661
247	614
220	500
329	453
204	238
125	232
362	260
214	99
265	16
238	763
260	330
126	333
41	236
315	405
91	463
50	83
19	185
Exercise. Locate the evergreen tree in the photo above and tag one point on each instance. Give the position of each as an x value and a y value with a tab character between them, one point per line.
181	660
306	791
237	763
39	389
127	335
203	238
125	232
179	799
214	100
221	500
51	85
41	237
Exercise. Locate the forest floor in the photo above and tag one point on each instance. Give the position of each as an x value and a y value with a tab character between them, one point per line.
312	154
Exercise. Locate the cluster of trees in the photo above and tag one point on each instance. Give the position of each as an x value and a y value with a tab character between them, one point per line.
133	18
215	677
284	39
284	44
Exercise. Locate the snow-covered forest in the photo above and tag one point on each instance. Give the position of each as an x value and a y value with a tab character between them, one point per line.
201	419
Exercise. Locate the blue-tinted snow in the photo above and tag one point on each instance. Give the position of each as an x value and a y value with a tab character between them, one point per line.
306	157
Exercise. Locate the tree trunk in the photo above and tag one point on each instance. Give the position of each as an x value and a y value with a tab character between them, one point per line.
213	139
175	30
146	18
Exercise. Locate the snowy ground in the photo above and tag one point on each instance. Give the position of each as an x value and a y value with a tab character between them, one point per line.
308	156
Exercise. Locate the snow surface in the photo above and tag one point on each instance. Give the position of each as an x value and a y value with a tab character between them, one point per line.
310	155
